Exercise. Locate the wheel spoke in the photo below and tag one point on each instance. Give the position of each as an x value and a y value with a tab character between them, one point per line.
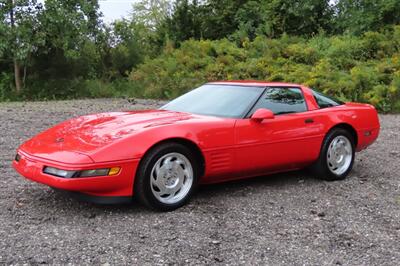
171	191
168	162
330	154
335	143
176	165
159	182
157	169
158	179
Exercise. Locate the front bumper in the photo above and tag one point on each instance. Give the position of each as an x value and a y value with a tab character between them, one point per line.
96	199
120	185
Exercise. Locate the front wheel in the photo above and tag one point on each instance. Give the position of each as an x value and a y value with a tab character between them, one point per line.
167	177
336	157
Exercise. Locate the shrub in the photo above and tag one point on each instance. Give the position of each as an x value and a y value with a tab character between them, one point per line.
364	68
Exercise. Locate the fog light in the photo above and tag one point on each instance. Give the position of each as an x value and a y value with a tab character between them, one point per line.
58	172
99	172
94	172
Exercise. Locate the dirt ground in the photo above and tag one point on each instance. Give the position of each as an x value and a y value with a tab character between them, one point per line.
290	219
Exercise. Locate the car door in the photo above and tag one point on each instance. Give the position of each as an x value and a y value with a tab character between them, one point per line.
288	141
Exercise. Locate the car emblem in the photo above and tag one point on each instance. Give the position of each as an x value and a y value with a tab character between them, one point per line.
59	140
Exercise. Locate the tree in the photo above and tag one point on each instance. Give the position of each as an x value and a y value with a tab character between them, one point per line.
250	19
69	24
219	18
302	18
358	16
127	49
151	13
148	24
71	32
185	22
20	35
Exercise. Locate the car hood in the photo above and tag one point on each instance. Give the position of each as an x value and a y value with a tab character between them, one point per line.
87	134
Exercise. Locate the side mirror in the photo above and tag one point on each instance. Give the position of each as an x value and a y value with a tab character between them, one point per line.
261	114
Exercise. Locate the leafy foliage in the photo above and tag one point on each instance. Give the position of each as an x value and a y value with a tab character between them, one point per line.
57	49
359	16
364	69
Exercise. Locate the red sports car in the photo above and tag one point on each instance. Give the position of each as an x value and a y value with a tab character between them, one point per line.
220	131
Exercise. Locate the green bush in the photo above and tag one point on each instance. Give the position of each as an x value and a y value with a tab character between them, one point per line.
5	87
364	69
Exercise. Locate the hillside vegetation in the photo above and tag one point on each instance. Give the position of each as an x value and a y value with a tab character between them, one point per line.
58	49
365	68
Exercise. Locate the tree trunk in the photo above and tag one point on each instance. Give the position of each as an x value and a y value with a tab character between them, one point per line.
24	77
17	76
17	68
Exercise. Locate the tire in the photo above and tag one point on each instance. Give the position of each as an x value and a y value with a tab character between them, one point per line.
329	166
167	177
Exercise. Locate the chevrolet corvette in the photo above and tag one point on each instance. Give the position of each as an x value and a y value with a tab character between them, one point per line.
218	132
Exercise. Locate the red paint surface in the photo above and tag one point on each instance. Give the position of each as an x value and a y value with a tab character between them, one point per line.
232	148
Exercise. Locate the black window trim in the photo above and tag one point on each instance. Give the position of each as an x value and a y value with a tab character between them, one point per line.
249	113
251	106
334	99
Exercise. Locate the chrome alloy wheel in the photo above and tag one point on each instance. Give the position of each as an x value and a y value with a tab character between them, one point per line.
171	178
339	155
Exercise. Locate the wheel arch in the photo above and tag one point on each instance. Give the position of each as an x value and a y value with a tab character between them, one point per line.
186	142
348	128
319	167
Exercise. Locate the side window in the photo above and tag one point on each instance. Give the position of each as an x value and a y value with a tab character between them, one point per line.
282	101
324	101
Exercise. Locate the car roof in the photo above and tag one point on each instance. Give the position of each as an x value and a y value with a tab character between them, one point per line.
255	83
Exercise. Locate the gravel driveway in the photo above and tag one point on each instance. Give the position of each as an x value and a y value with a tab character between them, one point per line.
289	219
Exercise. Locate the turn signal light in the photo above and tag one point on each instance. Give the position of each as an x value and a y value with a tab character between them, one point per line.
114	171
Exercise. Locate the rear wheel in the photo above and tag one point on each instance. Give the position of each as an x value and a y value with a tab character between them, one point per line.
167	177
336	157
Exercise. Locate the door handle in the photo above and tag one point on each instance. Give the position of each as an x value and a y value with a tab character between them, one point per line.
309	120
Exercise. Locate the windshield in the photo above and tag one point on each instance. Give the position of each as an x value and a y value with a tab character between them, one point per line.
217	100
